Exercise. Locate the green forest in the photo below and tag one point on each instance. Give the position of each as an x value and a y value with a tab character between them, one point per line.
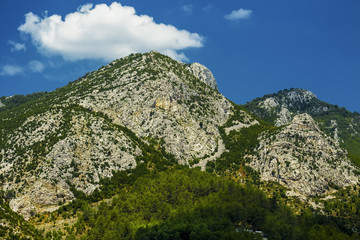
191	204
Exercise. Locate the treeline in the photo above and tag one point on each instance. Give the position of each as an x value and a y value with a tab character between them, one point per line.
190	204
17	100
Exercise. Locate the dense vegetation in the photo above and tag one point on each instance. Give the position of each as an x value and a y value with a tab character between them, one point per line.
7	103
238	144
190	204
346	206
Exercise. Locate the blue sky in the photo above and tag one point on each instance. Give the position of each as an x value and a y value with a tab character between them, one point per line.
253	47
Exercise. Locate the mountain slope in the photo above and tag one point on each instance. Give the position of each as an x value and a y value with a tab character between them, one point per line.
7	103
280	108
155	96
302	158
145	114
75	136
13	226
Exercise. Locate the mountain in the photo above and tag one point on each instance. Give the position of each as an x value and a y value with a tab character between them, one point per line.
147	118
102	122
303	158
339	123
7	103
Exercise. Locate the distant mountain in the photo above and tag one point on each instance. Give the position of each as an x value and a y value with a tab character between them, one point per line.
339	123
10	102
302	158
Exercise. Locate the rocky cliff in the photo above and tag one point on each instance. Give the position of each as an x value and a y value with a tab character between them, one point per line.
302	158
280	108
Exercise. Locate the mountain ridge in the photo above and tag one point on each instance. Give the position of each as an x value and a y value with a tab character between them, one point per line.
75	133
339	123
145	114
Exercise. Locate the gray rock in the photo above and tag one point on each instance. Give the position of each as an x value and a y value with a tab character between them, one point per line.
303	159
203	73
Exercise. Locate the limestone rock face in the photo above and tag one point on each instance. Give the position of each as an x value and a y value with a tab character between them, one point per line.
203	73
156	96
280	106
87	148
302	158
76	136
1	104
41	196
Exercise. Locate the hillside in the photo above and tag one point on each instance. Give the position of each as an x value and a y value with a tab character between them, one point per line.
13	226
102	122
341	124
87	150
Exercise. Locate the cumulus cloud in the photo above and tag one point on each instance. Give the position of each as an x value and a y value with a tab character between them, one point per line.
36	66
238	14
11	70
17	46
105	32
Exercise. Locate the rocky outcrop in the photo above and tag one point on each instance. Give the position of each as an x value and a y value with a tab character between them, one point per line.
203	73
41	196
77	148
302	158
280	108
284	106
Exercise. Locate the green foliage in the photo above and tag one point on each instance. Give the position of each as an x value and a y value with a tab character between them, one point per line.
190	204
346	206
17	100
238	144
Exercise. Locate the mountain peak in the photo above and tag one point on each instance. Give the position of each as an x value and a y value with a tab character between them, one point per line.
203	73
279	108
292	98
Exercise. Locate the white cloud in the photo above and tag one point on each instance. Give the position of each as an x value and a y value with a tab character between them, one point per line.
11	70
36	66
238	14
105	32
85	8
17	46
187	8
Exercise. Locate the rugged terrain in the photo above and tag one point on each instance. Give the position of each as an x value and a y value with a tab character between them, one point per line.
145	114
280	108
79	134
302	158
